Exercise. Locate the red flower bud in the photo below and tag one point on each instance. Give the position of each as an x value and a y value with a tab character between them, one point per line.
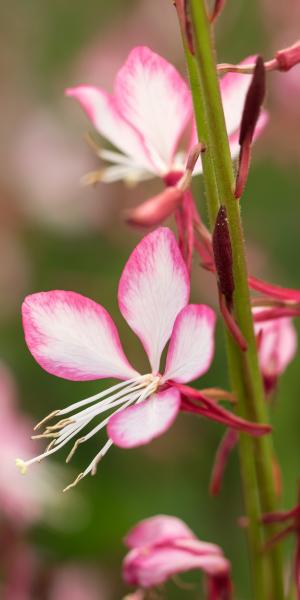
254	100
182	7
223	256
218	7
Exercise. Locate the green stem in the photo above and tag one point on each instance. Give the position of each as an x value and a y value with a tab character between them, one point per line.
256	454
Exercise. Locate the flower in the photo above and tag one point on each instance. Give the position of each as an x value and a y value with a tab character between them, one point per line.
277	346
148	114
31	499
72	337
163	546
77	581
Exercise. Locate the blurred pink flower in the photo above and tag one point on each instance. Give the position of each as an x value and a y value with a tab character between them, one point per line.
277	346
77	582
72	337
163	546
49	163
148	114
22	500
18	567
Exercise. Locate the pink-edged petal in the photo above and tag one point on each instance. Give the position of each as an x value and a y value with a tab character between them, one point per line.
277	345
197	546
141	423
153	288
73	337
153	566
101	108
234	87
153	97
160	529
192	344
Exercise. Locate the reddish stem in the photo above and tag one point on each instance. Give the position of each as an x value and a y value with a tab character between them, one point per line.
228	442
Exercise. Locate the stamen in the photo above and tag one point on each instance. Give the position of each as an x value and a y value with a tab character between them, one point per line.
44	435
102	394
92	177
132	391
96	429
50	446
127	392
92	468
62	423
54	413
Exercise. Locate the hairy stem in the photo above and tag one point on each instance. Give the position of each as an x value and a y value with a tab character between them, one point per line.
255	454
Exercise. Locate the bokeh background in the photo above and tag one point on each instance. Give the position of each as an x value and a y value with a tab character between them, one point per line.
56	234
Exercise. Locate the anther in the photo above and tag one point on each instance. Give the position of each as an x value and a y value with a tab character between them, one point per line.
45	435
52	414
74	483
74	448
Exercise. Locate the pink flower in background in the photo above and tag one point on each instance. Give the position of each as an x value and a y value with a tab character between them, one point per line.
72	337
77	582
163	546
26	500
48	161
148	114
277	346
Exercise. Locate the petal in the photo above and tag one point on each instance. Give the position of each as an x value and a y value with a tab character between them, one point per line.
154	98
234	87
278	345
192	344
73	337
141	423
154	566
103	112
234	137
160	529
130	175
153	288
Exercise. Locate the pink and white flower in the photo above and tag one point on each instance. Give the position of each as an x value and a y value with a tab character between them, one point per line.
149	113
277	346
72	337
163	546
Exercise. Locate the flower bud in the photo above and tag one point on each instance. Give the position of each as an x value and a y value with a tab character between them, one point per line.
218	7
223	256
288	57
156	209
251	112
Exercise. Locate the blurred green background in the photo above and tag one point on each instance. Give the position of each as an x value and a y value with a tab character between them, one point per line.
56	234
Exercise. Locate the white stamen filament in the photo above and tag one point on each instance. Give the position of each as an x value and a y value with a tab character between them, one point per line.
118	397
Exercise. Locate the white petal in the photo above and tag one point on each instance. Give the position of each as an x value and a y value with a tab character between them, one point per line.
141	423
153	97
234	87
73	337
153	288
102	110
192	344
